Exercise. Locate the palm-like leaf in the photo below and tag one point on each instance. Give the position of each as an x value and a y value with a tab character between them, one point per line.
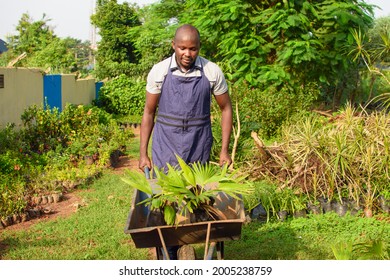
137	181
189	187
169	214
186	171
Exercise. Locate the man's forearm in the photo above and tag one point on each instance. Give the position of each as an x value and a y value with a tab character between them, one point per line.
226	124
146	130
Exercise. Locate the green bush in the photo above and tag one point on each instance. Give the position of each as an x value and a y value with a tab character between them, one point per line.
122	96
261	111
12	192
266	110
50	149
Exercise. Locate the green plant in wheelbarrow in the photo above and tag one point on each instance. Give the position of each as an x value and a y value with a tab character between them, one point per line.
189	190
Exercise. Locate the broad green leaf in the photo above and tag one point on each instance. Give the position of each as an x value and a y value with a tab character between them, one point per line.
187	171
169	215
137	181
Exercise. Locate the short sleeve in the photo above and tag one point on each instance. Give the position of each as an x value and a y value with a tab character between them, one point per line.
152	84
220	86
156	76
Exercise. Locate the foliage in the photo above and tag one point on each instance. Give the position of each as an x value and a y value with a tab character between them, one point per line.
122	96
373	52
256	114
283	41
48	152
255	109
152	39
188	188
12	196
44	49
345	157
369	249
32	35
116	53
56	57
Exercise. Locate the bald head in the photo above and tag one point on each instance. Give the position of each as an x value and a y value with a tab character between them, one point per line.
186	45
187	32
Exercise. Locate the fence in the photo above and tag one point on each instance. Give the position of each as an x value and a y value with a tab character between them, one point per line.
23	87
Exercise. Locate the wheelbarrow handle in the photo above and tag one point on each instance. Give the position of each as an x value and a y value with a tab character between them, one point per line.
147	172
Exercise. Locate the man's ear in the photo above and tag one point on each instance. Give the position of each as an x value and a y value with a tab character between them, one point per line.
173	44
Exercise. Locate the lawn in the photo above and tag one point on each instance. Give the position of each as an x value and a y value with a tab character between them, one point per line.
96	232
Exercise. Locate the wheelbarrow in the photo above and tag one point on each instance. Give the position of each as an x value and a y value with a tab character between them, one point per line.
212	233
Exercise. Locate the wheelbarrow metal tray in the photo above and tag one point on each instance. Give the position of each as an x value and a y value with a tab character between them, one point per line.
220	230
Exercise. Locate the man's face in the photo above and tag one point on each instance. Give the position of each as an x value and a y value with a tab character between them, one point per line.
186	50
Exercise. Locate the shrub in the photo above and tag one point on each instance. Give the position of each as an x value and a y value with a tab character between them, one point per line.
123	96
12	192
50	148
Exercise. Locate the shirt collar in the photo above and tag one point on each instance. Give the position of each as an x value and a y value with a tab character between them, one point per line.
174	66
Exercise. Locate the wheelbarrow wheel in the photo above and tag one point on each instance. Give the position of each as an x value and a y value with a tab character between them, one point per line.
186	252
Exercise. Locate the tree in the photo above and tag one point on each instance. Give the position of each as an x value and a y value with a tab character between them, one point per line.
372	52
55	57
152	39
116	51
32	35
44	49
280	42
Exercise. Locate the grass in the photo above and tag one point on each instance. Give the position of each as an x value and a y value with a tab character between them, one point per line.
96	232
309	238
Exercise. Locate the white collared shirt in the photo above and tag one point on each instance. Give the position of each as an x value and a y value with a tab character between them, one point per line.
211	70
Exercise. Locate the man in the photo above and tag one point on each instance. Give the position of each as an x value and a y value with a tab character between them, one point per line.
181	87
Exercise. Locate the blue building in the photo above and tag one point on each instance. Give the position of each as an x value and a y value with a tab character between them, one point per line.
3	46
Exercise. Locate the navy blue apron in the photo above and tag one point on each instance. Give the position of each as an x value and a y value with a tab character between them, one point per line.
183	124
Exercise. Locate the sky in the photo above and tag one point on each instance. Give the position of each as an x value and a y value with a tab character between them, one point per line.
70	18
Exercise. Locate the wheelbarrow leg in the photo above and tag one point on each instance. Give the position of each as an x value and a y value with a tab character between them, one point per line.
220	250
164	247
209	251
160	254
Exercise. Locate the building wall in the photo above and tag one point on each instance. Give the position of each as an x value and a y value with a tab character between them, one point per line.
22	88
77	92
25	87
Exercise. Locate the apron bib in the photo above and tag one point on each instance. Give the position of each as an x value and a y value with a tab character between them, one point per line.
183	125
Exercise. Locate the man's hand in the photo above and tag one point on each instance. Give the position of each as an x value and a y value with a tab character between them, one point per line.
225	158
144	162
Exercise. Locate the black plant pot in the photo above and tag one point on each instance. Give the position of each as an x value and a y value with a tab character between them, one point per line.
300	213
354	208
314	209
384	204
326	206
259	213
340	208
155	218
282	215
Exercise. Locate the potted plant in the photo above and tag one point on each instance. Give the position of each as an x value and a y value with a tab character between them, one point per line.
299	202
285	206
187	193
